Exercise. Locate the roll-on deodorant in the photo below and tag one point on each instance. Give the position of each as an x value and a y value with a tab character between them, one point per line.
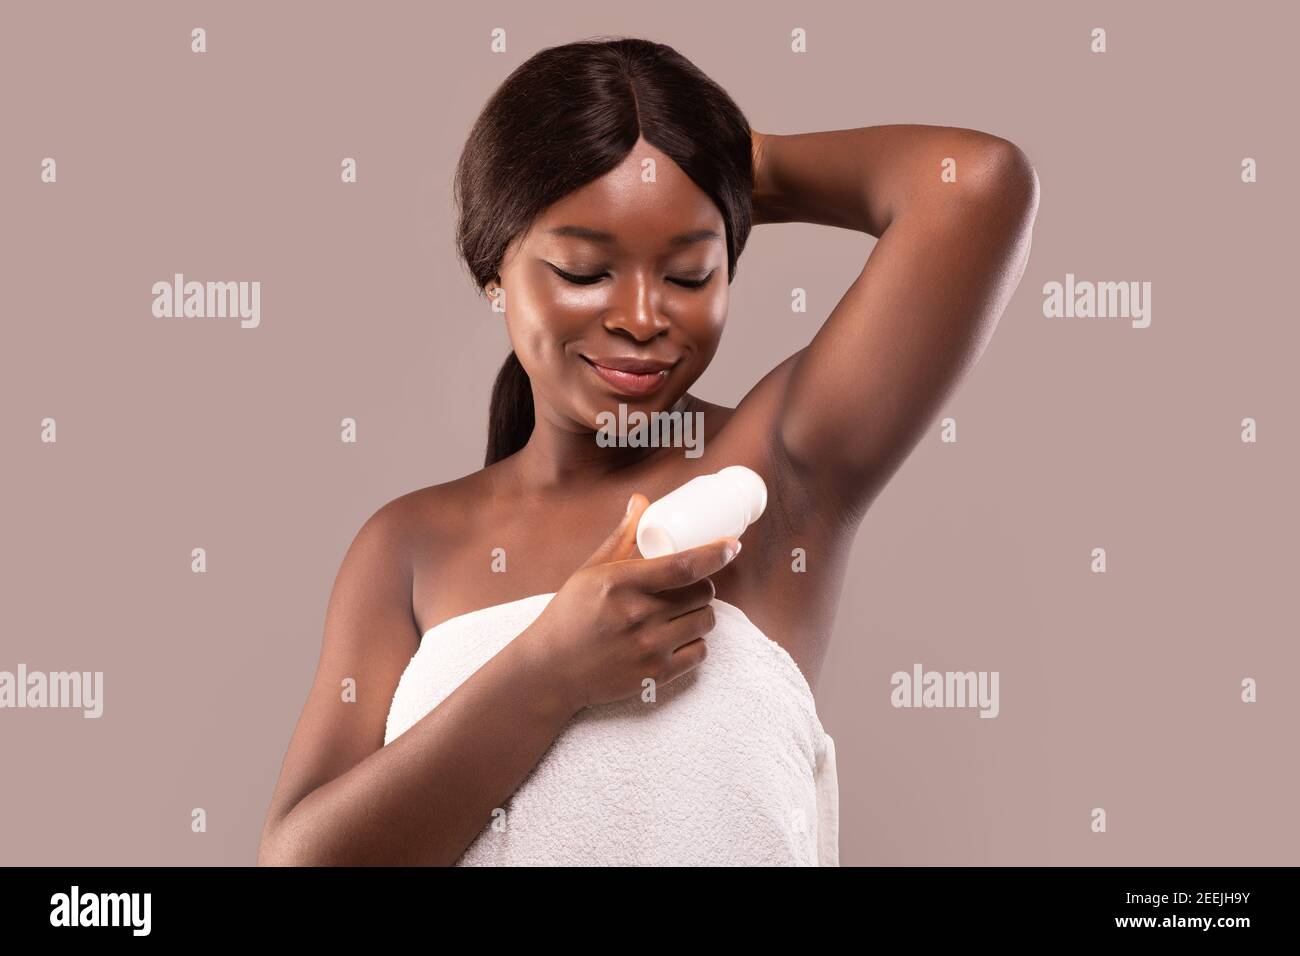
704	509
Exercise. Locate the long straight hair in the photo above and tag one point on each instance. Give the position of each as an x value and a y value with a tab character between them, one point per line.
565	117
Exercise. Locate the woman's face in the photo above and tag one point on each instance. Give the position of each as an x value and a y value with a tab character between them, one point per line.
618	292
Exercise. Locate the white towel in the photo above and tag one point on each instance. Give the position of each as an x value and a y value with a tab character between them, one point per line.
729	766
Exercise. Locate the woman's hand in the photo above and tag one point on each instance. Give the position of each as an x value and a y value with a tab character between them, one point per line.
621	618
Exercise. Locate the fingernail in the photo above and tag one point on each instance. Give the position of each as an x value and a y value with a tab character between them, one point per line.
733	548
629	506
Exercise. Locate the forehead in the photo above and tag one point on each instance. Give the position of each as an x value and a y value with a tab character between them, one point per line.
647	201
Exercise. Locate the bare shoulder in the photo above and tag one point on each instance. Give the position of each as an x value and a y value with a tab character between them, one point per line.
430	519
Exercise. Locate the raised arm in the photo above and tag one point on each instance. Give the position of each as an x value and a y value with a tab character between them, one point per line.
854	402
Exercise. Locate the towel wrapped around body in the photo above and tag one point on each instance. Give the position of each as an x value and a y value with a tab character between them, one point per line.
728	766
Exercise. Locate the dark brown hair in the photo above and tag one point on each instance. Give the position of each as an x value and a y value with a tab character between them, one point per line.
565	117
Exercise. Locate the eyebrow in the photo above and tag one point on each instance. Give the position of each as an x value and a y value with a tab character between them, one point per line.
608	239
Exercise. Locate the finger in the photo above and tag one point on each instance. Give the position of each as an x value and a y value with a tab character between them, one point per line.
681	601
673	635
691	626
621	543
685	567
685	658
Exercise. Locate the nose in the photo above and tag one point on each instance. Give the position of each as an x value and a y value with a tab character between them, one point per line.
633	311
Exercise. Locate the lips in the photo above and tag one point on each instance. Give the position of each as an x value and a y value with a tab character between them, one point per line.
628	375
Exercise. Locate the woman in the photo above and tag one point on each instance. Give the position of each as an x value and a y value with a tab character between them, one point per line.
606	193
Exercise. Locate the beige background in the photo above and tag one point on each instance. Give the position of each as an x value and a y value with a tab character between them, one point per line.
1118	691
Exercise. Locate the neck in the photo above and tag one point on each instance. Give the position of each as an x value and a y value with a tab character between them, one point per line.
558	456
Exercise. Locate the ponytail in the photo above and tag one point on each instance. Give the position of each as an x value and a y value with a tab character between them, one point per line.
510	412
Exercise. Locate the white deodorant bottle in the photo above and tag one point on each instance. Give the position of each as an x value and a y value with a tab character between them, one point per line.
704	509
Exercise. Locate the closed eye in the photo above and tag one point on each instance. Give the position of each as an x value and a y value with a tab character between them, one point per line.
694	283
593	279
576	279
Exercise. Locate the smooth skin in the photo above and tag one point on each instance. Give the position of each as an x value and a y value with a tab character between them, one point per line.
826	428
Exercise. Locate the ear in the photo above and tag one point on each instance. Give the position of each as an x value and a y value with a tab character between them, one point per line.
493	289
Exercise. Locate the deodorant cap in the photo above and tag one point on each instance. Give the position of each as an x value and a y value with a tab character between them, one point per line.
751	489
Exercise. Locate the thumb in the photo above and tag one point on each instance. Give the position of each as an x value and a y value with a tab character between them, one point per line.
621	543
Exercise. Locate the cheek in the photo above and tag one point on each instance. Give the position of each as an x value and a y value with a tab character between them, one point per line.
706	322
540	323
718	310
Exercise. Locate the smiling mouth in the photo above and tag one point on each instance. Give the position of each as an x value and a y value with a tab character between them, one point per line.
628	382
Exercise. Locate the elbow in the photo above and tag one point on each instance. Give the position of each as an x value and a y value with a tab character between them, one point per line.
269	852
1006	179
274	849
275	853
